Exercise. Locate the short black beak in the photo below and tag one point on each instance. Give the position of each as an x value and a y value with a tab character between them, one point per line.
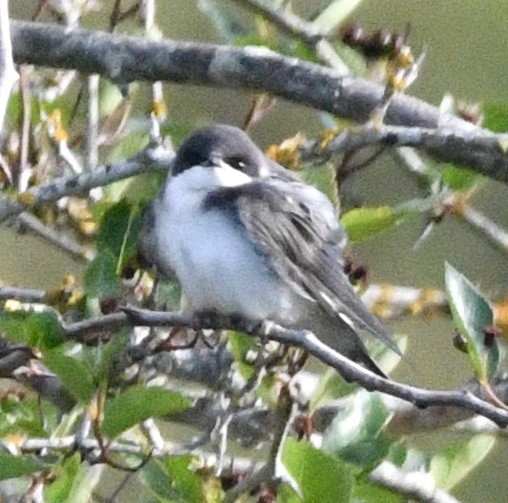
213	161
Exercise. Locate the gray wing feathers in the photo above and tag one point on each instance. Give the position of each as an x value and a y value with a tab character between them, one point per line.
303	245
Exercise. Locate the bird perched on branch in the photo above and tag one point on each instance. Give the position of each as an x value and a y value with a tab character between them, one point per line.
244	236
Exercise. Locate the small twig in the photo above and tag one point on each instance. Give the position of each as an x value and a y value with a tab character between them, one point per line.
153	434
477	220
295	26
92	145
219	435
485	226
479	424
414	485
119	488
66	243
273	471
152	158
63	444
26	104
458	143
158	115
67	155
22	294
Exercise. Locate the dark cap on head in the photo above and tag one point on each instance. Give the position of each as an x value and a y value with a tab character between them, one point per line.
212	145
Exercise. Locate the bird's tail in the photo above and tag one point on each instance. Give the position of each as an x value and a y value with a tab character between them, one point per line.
343	338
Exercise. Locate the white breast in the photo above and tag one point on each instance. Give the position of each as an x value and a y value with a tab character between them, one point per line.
216	264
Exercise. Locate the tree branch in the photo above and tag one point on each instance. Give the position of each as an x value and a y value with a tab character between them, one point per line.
416	486
348	369
295	26
154	157
124	59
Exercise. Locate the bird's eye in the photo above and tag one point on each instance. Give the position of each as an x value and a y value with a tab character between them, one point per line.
236	163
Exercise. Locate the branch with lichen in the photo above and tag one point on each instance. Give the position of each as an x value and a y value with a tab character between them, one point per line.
409	121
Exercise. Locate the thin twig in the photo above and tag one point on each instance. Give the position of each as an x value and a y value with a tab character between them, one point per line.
465	212
66	243
153	158
22	294
417	486
92	146
295	26
485	226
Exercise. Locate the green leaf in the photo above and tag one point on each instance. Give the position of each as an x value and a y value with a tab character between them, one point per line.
119	231
323	179
169	294
450	466
320	477
472	314
109	353
16	466
72	482
110	97
335	14
172	480
356	63
496	116
143	188
330	387
361	223
100	279
21	417
460	178
137	404
356	433
384	356
223	19
76	376
37	330
365	491
128	146
239	345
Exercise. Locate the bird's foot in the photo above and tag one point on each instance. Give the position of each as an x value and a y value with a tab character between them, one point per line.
207	318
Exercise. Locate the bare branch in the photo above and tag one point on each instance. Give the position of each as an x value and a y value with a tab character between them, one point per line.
297	27
153	158
124	59
66	243
348	369
451	144
22	294
415	485
485	226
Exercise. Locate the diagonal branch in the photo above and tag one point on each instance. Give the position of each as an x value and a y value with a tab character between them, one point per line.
348	369
125	59
154	157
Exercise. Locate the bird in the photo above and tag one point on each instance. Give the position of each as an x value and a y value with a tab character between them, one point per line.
244	236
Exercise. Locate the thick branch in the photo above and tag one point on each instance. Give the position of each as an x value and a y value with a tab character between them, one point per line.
124	59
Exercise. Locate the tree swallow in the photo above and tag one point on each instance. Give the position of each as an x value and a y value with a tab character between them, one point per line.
244	236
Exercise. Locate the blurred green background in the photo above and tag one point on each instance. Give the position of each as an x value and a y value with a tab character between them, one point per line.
465	44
